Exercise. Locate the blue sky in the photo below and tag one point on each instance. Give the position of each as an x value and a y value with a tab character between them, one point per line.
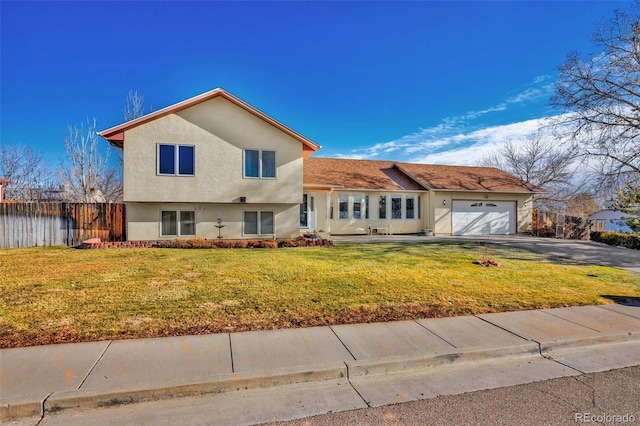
437	82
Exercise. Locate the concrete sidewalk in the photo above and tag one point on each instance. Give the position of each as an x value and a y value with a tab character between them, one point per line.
338	367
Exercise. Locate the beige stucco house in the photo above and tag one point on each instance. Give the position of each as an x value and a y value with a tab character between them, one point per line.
214	165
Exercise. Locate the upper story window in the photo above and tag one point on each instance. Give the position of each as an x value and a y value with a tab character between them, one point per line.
176	160
259	163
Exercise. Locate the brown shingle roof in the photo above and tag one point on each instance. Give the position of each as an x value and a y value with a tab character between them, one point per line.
467	178
370	174
360	174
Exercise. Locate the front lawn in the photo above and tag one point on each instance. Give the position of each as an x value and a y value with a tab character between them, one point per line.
55	295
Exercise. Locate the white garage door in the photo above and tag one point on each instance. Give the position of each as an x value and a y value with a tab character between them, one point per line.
483	217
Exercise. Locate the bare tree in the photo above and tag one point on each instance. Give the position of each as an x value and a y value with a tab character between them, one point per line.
600	95
541	161
134	105
87	176
133	108
27	171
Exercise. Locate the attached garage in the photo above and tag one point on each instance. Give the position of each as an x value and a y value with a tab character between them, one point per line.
483	217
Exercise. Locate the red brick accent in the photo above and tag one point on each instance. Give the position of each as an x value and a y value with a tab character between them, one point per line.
115	244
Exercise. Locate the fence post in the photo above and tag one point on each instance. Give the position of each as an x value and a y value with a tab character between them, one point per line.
68	221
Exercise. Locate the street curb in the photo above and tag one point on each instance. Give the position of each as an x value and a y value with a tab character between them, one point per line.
20	410
87	399
217	384
568	344
392	365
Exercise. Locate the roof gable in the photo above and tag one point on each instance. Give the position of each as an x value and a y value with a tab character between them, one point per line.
115	135
356	174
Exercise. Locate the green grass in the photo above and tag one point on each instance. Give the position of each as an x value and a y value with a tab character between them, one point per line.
53	295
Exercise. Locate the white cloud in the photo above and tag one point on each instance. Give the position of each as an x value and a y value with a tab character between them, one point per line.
457	140
541	78
480	143
525	96
449	147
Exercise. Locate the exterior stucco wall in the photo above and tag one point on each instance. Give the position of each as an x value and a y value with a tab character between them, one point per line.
143	220
220	131
442	202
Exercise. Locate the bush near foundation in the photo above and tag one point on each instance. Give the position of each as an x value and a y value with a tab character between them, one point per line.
619	239
201	243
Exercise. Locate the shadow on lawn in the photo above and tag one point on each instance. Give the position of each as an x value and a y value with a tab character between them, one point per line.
623	300
497	251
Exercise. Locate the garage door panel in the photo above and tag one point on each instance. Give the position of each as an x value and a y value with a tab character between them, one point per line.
482	218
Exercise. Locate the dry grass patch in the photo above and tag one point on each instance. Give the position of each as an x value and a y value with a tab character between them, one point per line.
53	295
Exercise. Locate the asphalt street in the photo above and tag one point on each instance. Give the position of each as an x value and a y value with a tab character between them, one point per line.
611	397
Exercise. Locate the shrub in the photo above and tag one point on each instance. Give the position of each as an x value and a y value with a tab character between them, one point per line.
288	242
268	244
225	243
242	244
201	243
631	241
253	243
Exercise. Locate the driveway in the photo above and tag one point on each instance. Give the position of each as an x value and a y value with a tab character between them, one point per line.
583	251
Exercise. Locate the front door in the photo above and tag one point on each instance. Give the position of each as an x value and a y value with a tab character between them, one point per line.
307	217
304	211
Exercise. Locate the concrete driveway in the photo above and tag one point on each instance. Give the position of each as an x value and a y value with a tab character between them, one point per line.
582	251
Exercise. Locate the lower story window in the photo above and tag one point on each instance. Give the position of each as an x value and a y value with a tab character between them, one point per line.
258	223
366	207
177	223
382	207
410	208
343	206
396	207
357	207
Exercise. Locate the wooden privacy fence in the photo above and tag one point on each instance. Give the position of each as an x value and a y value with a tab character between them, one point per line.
54	224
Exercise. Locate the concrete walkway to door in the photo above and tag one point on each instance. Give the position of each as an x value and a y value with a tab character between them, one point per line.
582	251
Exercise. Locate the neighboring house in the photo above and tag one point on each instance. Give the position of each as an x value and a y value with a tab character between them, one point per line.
610	220
214	160
3	183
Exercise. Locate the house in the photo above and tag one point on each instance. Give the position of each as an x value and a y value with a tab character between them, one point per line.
610	220
215	164
3	183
